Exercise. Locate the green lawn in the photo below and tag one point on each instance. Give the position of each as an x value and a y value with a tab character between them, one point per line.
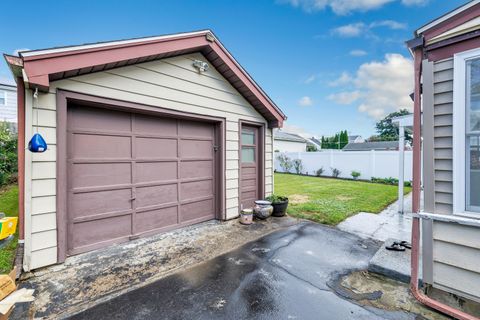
330	201
9	205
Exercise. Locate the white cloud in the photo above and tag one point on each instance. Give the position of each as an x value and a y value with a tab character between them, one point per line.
344	79
392	24
415	2
346	97
358	53
340	7
380	87
350	30
310	79
305	101
361	29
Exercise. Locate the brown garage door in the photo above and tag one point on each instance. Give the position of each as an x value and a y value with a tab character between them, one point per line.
133	174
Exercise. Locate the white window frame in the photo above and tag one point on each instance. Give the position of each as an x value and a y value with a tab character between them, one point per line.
459	132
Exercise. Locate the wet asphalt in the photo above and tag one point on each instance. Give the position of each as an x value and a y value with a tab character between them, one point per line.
289	274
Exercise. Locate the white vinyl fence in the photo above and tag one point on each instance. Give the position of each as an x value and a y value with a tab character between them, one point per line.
379	164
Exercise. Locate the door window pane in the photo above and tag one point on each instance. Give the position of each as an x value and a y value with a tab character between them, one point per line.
248	137
248	154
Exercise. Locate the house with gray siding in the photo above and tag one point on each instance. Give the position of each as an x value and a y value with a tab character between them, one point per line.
288	142
8	102
447	118
144	136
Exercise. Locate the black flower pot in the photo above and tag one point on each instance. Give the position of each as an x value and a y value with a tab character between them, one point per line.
280	208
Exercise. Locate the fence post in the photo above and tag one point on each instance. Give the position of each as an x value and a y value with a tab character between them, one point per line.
331	159
373	163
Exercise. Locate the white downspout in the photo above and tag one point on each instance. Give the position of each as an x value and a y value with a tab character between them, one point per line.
401	167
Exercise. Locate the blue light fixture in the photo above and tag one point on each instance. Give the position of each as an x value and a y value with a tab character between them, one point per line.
37	143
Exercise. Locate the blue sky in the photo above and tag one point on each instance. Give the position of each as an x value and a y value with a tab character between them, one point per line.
329	64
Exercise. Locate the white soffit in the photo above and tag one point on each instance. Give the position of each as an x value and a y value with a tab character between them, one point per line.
468	26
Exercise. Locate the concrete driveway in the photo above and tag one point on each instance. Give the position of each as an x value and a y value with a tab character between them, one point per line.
295	273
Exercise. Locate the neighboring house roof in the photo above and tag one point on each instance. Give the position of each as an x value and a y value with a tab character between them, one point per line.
40	67
316	141
284	136
353	138
8	85
366	146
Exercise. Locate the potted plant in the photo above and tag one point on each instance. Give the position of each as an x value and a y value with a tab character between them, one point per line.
279	203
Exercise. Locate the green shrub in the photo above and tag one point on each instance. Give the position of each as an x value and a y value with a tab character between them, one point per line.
298	166
355	174
391	181
285	162
276	198
335	172
8	154
319	172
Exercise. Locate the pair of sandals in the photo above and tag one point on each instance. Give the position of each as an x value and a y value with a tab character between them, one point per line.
399	246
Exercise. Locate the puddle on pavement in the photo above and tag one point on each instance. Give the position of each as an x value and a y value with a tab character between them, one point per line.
372	290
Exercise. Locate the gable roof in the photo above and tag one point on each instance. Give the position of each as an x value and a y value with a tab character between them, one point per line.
284	136
367	146
40	67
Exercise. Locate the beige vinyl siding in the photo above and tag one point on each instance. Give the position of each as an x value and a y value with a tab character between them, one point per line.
169	83
40	183
442	134
456	248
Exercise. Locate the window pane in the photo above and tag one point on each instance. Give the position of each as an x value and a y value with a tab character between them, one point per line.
248	137
473	97
248	154
2	97
473	176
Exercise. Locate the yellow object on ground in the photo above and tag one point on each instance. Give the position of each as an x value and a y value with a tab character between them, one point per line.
8	225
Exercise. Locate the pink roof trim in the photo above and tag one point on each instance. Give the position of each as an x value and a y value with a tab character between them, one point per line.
41	65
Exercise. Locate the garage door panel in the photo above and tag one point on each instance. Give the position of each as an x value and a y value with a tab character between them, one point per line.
155	171
195	129
88	146
92	232
156	195
98	119
93	203
155	125
132	174
197	210
196	169
100	174
156	219
195	149
196	189
156	148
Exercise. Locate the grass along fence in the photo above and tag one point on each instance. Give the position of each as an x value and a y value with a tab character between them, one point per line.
376	164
